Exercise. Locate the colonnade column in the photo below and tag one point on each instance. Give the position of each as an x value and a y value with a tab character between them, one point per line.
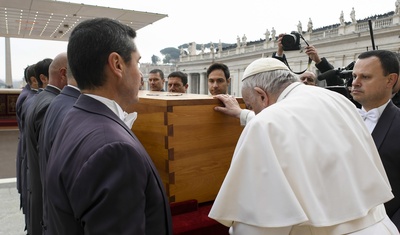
203	82
189	76
236	82
8	62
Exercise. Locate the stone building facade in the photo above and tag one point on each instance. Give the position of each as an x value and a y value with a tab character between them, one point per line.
339	43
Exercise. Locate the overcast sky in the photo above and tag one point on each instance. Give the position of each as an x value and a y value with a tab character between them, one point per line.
204	22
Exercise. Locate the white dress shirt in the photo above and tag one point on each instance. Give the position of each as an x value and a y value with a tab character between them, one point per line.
128	119
372	116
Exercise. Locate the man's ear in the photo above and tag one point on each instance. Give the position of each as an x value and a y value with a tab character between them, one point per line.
63	72
116	64
262	94
33	80
394	82
43	78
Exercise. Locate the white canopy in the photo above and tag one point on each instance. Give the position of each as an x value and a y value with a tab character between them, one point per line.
54	20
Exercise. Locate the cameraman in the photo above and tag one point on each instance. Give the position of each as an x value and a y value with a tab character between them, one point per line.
321	63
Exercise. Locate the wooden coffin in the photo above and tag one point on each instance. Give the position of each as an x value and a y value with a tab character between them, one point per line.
190	143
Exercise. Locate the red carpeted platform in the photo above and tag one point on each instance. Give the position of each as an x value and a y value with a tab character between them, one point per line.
191	218
8	122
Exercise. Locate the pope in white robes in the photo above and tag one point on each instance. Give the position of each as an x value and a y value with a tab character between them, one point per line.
305	164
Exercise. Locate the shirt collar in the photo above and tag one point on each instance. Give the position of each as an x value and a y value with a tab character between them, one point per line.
111	104
128	119
74	87
379	109
54	87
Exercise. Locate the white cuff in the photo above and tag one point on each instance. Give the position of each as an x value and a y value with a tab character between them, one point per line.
245	116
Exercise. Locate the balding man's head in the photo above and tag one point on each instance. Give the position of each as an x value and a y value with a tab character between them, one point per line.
58	71
308	78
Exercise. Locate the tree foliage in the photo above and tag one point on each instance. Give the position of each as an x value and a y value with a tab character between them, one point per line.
155	59
207	45
171	54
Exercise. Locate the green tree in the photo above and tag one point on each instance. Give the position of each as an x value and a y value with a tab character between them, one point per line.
170	53
167	59
155	59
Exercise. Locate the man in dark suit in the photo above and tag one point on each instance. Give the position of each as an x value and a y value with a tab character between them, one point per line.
99	178
29	89
41	73
24	93
34	118
52	120
27	93
375	75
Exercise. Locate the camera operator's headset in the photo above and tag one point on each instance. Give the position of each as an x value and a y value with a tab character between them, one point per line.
309	59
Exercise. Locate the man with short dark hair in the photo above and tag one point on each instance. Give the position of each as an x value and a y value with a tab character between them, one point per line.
39	74
99	178
219	78
156	80
29	89
42	72
177	82
27	93
375	75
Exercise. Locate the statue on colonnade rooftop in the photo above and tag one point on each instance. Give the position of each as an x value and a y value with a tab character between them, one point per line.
341	18
353	16
244	40
299	28
310	25
238	41
267	33
273	33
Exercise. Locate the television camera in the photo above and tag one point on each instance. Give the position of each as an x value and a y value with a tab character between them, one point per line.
338	77
339	80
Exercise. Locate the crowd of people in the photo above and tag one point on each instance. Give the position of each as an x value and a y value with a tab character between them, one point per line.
308	161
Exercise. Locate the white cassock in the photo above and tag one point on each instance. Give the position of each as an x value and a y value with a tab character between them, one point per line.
307	161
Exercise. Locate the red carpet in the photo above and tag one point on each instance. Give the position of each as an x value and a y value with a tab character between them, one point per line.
191	218
8	122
